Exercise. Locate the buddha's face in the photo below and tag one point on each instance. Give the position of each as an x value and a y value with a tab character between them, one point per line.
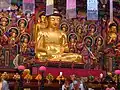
88	42
54	21
92	30
64	27
113	29
79	30
25	40
13	34
4	23
43	21
22	25
99	41
72	40
43	18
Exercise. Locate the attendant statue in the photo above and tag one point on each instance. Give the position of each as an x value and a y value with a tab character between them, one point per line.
42	24
22	25
92	29
64	27
99	42
4	22
72	45
72	38
13	33
112	34
79	32
86	51
25	38
98	50
53	43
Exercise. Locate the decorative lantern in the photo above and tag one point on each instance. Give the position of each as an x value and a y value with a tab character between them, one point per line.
21	67
42	69
117	72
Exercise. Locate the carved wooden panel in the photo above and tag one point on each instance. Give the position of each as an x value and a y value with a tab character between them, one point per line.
7	57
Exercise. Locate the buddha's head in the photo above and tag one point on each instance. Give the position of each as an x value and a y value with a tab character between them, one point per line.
79	29
99	41
64	27
88	41
25	40
54	20
92	28
113	28
72	40
22	23
13	32
4	21
42	19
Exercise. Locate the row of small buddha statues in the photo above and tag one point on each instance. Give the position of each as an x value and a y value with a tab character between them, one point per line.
13	35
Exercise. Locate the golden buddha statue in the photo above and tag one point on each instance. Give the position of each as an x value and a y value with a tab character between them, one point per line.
53	44
112	34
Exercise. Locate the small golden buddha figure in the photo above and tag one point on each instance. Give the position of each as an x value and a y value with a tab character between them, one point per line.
22	24
99	41
13	31
72	45
112	34
53	43
4	21
72	38
64	27
25	38
79	31
92	30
